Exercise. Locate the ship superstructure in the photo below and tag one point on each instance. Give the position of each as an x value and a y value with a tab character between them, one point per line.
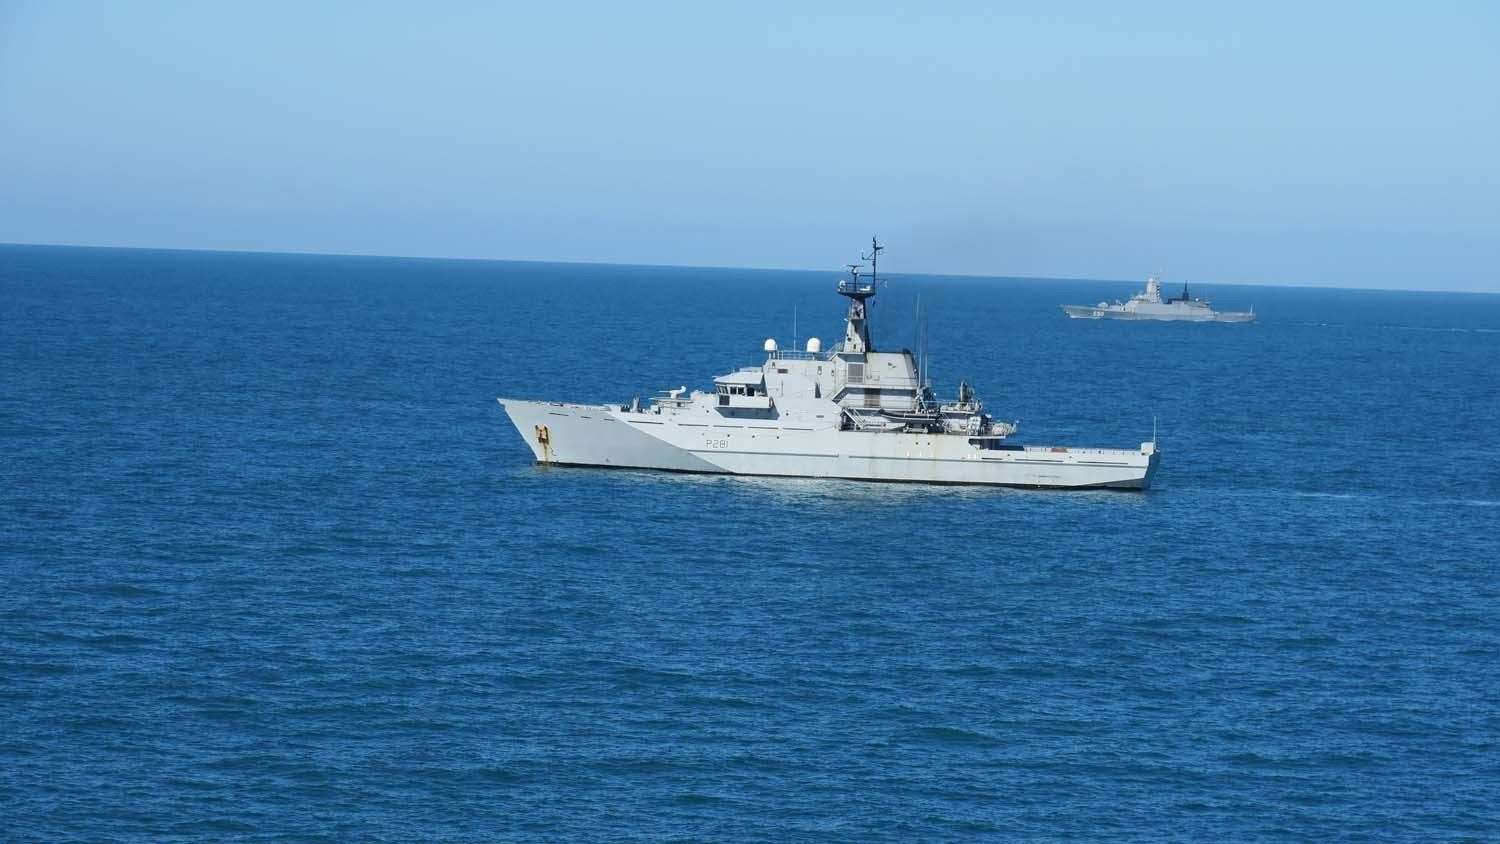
850	412
1149	304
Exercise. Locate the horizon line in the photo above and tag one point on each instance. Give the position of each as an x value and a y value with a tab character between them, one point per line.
494	260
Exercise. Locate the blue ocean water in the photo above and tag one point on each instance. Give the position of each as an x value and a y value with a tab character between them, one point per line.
276	567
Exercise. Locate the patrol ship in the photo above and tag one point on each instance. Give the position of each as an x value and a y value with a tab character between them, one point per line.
1148	304
851	412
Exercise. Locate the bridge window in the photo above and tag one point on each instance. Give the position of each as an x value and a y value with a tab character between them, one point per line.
725	390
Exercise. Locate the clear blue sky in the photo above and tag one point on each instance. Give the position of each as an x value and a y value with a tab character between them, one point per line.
1303	143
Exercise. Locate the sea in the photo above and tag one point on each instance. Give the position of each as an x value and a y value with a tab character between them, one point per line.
274	566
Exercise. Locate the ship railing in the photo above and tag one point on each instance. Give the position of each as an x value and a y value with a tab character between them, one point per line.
873	379
936	405
855	287
792	354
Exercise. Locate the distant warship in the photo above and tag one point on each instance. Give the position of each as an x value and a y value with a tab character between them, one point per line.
1148	304
851	412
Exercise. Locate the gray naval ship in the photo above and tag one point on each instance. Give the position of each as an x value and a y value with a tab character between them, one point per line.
1148	304
851	412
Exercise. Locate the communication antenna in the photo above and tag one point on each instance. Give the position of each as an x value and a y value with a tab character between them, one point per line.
917	341
874	259
926	351
794	328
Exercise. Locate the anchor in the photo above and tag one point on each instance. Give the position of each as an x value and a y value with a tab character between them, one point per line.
544	439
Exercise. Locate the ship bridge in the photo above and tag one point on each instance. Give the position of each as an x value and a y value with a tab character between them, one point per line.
744	388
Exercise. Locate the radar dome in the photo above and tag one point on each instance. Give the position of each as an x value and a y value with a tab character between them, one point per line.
770	344
814	345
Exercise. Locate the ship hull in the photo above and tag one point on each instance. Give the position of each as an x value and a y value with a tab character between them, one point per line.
1094	312
605	435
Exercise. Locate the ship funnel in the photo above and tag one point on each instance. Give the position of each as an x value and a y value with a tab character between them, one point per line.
814	345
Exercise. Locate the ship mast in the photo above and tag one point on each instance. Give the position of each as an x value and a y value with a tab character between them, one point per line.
857	332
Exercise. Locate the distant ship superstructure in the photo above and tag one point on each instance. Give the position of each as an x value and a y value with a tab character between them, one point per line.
851	412
1148	304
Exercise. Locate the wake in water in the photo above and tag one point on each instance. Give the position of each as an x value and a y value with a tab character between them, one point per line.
1444	330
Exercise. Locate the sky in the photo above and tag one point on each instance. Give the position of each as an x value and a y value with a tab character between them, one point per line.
1330	144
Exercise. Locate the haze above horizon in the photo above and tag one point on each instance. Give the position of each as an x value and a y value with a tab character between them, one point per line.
1336	145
